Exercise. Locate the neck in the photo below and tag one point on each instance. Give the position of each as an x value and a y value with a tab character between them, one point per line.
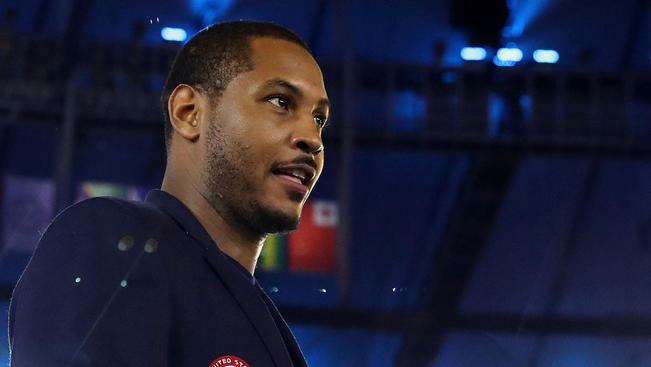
235	242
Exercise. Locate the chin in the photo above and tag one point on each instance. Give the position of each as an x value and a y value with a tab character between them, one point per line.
269	220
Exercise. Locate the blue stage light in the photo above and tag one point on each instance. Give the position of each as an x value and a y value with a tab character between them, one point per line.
509	54
546	56
499	62
210	10
174	34
473	53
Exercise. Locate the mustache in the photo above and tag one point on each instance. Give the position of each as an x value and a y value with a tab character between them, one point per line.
302	159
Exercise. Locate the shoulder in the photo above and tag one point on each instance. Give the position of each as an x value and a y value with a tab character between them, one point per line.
102	238
95	233
99	220
100	213
93	273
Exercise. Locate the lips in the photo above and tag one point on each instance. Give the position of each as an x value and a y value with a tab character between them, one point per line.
301	173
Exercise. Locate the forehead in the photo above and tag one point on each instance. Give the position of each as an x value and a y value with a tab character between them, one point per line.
279	59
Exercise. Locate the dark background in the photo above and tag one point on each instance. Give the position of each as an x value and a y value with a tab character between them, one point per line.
488	215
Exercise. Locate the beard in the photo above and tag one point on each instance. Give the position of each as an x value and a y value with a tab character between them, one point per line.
230	189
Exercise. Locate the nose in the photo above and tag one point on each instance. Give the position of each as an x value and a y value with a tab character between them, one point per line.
307	138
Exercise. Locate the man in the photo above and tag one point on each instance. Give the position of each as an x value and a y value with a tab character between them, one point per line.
169	282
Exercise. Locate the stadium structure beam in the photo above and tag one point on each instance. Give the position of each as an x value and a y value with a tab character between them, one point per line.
620	326
470	224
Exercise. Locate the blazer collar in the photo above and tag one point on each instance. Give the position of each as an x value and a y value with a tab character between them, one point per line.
181	215
241	287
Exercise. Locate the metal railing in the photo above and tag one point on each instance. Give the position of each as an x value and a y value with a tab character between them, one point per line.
120	82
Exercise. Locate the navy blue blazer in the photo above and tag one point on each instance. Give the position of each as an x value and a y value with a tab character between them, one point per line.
121	283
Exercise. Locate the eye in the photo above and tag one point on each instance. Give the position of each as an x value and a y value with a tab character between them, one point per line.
321	120
279	101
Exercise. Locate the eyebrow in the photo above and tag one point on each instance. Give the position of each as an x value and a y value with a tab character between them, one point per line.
324	102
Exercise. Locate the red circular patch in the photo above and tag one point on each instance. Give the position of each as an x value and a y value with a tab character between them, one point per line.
229	361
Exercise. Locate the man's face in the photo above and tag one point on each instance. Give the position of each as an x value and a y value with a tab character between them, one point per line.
263	146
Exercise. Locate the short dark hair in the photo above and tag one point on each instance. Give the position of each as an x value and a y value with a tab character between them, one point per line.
216	55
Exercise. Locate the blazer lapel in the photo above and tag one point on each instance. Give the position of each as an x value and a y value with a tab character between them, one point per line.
243	290
251	302
290	341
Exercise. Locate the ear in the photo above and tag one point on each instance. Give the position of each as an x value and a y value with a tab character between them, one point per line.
184	109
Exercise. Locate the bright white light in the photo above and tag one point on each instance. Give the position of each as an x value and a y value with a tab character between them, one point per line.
174	34
545	56
473	53
509	54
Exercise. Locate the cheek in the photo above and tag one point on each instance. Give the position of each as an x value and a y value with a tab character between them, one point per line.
256	164
320	163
